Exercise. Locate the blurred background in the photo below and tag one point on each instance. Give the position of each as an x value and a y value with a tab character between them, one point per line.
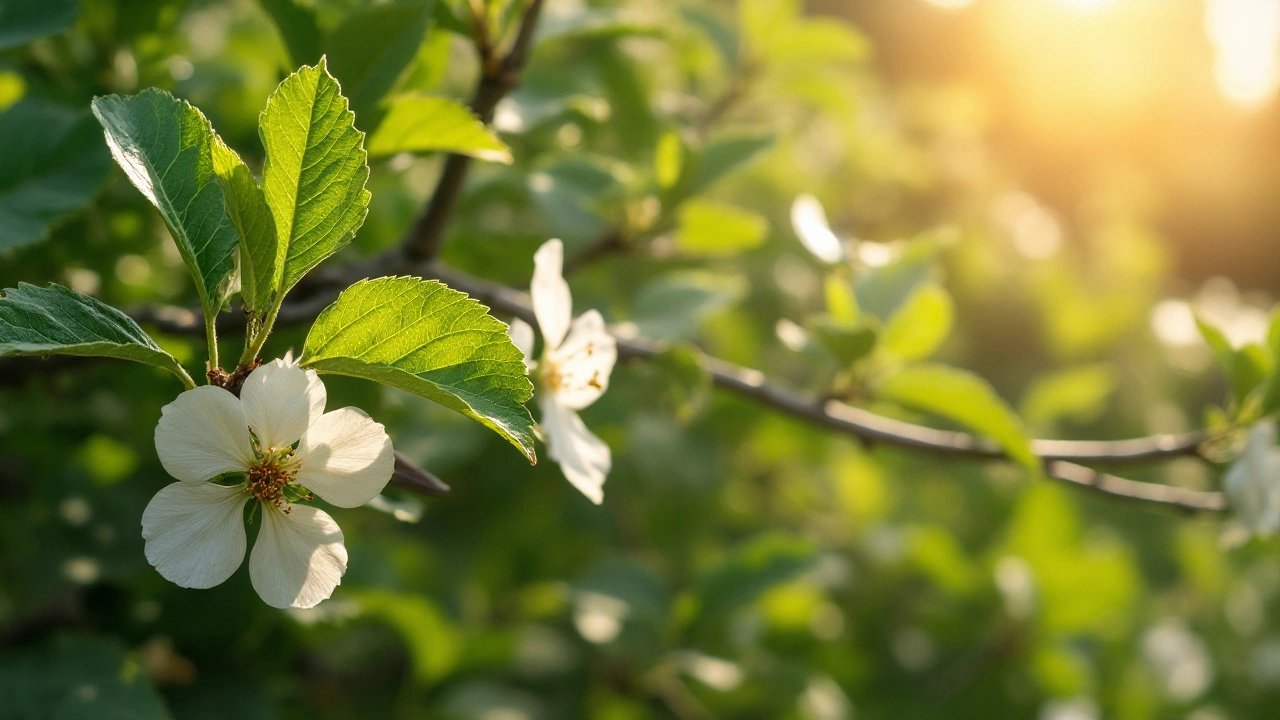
1063	181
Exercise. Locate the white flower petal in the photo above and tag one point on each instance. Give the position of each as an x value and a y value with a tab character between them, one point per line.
281	401
194	532
298	558
345	457
810	224
584	458
202	434
521	334
552	303
1252	482
584	362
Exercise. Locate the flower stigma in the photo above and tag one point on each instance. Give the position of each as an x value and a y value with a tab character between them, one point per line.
271	475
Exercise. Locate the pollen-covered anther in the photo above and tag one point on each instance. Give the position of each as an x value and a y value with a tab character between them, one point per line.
268	478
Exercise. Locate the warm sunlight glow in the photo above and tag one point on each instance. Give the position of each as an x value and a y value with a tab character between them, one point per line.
950	4
1086	4
1244	37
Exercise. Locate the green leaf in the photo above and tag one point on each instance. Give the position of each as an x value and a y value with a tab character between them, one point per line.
921	325
965	398
712	229
673	306
316	170
298	28
724	155
422	123
847	343
52	166
165	147
58	321
434	645
420	336
261	252
22	21
668	159
883	290
76	678
687	382
1078	394
370	50
753	569
1245	368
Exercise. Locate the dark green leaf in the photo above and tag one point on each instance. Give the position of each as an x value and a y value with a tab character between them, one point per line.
22	21
370	49
52	166
722	156
420	336
316	170
298	28
752	570
165	147
58	321
76	678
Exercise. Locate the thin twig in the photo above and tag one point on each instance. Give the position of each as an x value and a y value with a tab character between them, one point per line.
497	79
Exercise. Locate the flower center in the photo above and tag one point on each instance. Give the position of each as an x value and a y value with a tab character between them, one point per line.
555	377
268	477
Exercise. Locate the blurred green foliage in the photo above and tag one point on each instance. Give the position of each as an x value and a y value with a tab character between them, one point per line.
743	565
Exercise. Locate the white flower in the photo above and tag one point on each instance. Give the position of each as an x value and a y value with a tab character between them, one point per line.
810	224
577	358
278	444
1253	482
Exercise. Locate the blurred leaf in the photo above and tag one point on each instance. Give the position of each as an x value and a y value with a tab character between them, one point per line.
687	381
446	19
526	109
166	148
883	290
1271	392
261	252
920	326
420	336
371	48
818	41
316	170
1244	368
754	568
1078	394
674	305
57	321
12	88
668	159
434	644
572	194
589	22
847	343
297	26
421	123
711	229
937	553
720	35
76	677
724	155
22	21
842	303
967	399
52	166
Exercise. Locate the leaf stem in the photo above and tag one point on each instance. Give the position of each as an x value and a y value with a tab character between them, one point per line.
211	336
185	377
253	345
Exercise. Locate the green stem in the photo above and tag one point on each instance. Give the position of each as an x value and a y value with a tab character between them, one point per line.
254	345
187	382
211	336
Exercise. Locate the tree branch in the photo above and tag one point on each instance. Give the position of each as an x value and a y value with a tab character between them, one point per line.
498	77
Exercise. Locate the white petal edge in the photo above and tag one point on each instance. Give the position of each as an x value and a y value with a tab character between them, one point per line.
202	434
552	303
346	458
298	558
194	533
584	458
281	401
810	224
584	362
521	334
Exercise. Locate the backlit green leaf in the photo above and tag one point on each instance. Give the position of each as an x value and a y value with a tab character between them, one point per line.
712	228
922	324
422	123
165	147
965	398
261	256
724	155
316	170
420	336
52	166
55	320
297	25
1078	393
